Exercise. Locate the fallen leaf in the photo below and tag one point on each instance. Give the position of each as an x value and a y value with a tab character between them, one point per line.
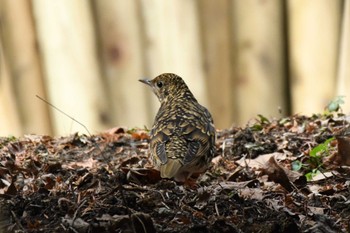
277	174
260	161
11	190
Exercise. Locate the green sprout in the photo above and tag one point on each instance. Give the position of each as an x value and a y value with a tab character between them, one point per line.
316	156
334	105
260	122
315	160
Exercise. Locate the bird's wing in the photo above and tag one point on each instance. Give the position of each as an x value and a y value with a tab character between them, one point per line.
200	141
157	146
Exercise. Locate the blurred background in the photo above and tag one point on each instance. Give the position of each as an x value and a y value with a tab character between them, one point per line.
240	58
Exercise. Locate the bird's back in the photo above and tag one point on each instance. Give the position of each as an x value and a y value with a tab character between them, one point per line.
183	135
187	131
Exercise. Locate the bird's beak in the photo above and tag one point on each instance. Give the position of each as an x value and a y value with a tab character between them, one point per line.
146	81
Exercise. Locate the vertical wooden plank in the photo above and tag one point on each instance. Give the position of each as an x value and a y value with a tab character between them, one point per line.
9	120
68	46
172	42
343	81
24	66
217	55
260	69
122	60
314	38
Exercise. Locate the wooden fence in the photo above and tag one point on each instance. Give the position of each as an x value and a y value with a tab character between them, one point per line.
239	57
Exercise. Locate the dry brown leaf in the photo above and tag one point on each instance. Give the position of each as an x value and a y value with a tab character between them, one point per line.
116	130
140	136
88	163
11	190
260	161
277	174
252	193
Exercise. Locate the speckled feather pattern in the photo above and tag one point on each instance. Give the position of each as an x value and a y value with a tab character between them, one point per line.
183	134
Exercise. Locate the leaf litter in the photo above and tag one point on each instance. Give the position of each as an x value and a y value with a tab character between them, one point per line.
278	175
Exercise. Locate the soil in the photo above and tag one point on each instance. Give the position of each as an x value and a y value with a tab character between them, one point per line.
274	175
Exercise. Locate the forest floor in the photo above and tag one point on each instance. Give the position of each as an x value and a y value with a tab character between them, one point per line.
279	175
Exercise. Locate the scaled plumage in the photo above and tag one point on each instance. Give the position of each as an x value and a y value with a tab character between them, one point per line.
183	135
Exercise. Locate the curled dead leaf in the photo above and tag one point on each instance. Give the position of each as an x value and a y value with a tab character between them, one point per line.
11	190
140	136
277	174
142	222
142	175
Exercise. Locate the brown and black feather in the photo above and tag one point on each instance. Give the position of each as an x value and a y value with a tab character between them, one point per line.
183	135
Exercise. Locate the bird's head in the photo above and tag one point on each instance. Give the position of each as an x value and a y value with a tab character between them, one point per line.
168	86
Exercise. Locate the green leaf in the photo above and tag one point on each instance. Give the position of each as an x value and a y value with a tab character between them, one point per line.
256	127
311	174
263	119
334	105
296	165
284	120
321	148
132	130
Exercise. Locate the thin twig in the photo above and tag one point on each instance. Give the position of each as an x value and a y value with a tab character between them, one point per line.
72	229
77	210
70	117
165	205
143	225
47	102
17	221
217	210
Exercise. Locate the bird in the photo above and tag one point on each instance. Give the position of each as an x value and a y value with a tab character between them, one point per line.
182	139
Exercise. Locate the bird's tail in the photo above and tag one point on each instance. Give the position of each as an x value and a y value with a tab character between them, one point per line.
170	169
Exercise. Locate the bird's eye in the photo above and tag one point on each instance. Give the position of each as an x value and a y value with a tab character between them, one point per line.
159	84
